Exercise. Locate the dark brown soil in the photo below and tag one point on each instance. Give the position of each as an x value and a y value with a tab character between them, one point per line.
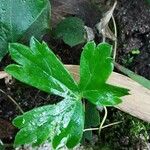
133	23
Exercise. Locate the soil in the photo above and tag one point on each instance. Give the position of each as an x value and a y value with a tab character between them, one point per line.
133	23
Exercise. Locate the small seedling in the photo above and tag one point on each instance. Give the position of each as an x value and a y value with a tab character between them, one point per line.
63	123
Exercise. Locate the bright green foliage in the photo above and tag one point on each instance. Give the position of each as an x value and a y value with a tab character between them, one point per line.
71	30
95	68
19	19
39	67
62	124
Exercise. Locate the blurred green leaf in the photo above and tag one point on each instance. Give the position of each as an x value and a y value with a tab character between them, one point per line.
22	19
92	115
92	119
71	30
2	145
148	1
141	80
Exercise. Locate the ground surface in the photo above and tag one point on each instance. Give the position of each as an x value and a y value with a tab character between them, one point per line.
133	23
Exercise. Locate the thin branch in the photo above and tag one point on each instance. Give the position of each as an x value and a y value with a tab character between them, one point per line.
12	100
103	121
90	129
111	124
108	125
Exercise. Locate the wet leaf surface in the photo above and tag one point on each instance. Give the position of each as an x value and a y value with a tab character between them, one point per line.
52	76
62	124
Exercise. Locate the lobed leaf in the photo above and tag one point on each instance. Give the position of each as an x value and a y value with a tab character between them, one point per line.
2	147
62	123
95	67
107	95
39	67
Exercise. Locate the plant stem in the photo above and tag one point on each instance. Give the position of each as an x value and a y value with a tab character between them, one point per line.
111	124
108	125
115	44
8	145
103	121
17	105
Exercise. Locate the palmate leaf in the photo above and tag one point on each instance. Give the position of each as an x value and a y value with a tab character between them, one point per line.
62	123
95	67
39	67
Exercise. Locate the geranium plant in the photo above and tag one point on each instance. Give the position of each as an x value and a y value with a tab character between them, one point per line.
63	123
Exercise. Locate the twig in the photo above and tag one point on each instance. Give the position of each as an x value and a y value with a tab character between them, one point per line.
17	105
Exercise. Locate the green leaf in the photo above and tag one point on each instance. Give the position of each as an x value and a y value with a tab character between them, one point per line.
71	30
92	119
22	19
148	1
107	95
39	67
141	80
1	145
95	68
62	123
95	65
92	113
